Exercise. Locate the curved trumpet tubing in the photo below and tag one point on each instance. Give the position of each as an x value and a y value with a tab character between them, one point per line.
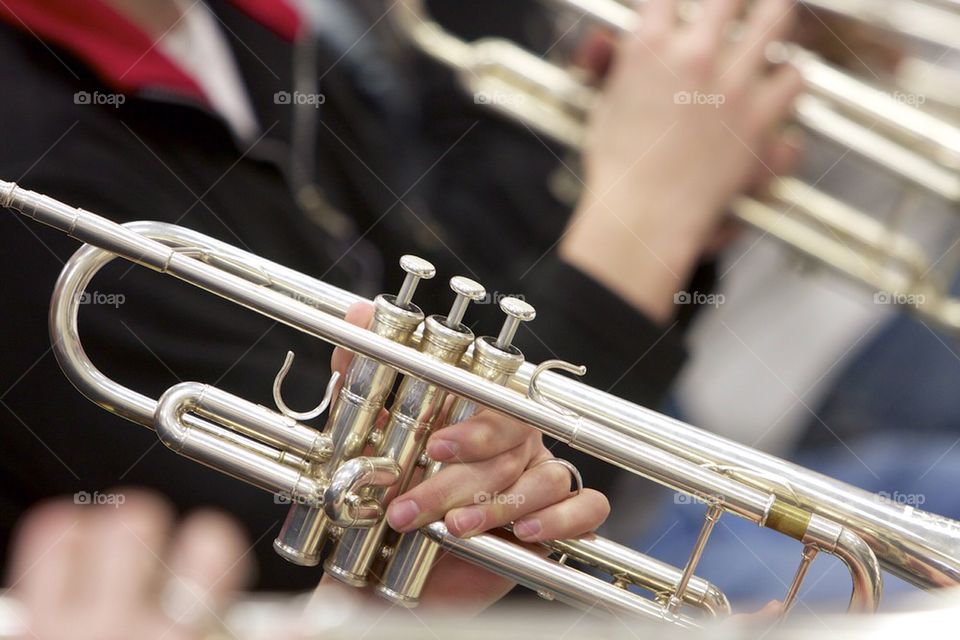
279	454
914	147
935	22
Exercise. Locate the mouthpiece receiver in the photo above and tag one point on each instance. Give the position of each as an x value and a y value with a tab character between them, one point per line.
466	290
517	311
417	269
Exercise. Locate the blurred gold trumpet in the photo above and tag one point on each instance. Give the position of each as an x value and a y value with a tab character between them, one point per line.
915	147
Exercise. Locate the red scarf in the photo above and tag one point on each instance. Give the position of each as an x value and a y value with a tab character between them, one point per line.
118	51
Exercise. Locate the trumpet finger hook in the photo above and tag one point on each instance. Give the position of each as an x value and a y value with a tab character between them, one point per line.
297	415
533	390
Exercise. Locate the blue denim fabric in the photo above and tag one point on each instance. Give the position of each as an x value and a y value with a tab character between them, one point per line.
894	415
906	381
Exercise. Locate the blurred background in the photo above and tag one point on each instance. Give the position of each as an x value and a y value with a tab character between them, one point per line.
769	346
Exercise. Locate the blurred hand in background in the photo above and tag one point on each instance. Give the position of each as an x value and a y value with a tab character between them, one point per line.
686	121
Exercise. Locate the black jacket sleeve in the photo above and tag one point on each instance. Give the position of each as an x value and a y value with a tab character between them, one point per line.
625	352
492	196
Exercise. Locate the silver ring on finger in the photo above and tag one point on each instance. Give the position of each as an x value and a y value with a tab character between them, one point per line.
566	464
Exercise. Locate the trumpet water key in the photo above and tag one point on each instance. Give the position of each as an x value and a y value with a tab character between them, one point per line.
340	493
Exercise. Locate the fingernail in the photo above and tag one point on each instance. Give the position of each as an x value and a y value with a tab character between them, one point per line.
468	520
442	449
401	514
527	529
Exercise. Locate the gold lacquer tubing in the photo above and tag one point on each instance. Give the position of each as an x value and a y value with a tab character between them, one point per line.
627	444
926	132
913	146
919	547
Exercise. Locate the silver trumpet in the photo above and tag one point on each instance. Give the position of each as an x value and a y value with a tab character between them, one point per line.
917	148
339	494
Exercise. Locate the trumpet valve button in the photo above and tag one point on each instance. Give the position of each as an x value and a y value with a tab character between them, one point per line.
417	269
466	290
517	311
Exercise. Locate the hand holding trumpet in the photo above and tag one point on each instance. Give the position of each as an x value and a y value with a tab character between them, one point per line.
90	571
687	119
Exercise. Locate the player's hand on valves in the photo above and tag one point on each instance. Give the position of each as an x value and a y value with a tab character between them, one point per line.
688	118
494	475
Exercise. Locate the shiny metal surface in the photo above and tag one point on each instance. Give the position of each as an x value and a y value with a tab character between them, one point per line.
247	419
643	571
916	148
467	290
342	501
409	566
362	396
924	548
559	581
849	523
417	405
831	537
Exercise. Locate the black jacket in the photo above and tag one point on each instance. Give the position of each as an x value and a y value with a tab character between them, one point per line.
362	187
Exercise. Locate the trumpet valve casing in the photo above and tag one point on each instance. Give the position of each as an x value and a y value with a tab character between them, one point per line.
365	388
411	561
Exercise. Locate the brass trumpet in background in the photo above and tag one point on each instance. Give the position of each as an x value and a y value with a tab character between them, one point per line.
916	147
339	494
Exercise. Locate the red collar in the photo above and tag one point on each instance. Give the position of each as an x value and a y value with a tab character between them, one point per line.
128	59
